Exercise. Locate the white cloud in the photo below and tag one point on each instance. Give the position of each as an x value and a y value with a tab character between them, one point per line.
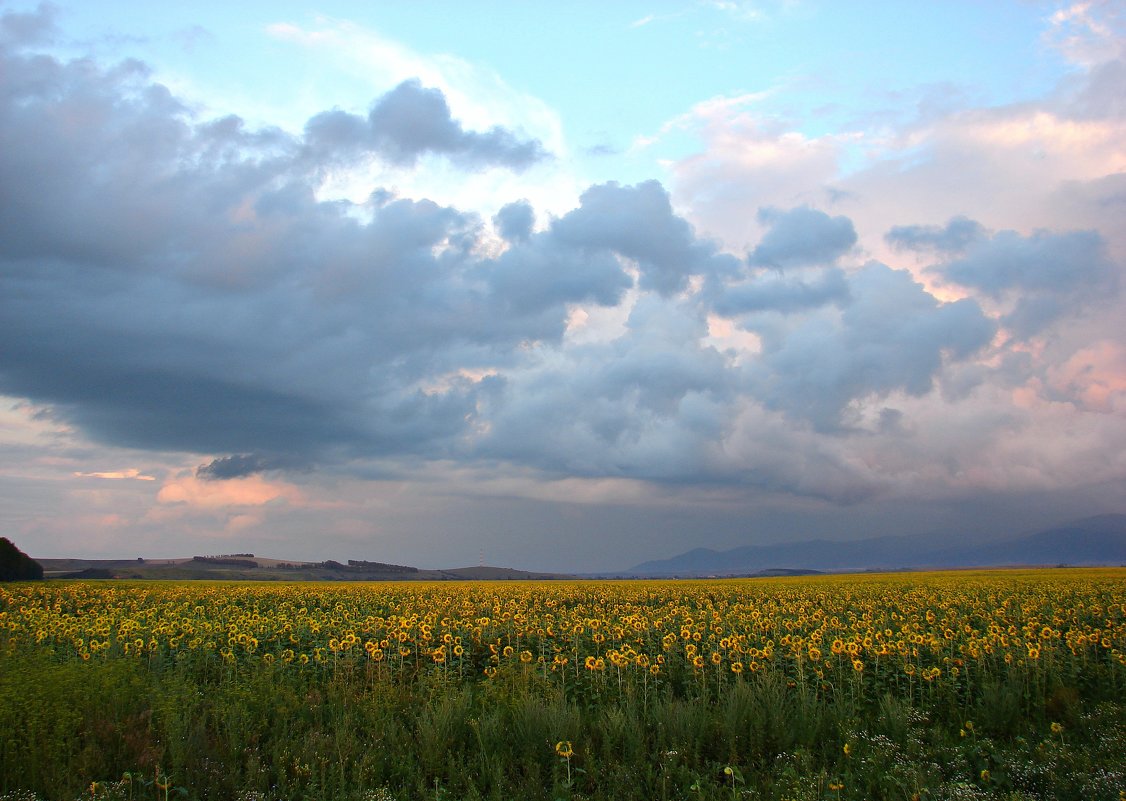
131	473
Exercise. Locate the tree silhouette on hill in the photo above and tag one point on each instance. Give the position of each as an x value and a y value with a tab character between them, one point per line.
15	565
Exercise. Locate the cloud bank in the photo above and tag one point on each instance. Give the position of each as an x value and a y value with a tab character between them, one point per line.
171	283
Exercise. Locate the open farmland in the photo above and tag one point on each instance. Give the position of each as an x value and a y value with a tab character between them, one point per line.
957	685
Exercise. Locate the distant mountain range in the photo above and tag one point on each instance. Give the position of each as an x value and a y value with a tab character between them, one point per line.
248	567
1097	540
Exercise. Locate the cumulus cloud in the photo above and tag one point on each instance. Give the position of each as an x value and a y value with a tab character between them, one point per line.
782	294
954	237
412	120
174	283
515	221
890	335
1046	274
638	222
1043	261
648	404
801	237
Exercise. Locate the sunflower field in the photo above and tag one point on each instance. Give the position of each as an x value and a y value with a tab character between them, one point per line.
1004	684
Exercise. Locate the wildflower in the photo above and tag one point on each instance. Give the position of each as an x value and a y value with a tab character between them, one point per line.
564	749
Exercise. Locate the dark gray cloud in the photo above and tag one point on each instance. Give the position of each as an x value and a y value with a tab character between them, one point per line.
172	283
242	464
801	237
957	235
410	121
238	465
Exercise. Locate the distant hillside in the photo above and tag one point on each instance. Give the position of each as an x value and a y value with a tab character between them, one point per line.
247	567
1097	540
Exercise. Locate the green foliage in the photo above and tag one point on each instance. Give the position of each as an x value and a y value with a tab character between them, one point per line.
15	565
269	733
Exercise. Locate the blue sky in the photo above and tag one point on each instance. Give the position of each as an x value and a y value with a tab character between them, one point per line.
579	285
613	73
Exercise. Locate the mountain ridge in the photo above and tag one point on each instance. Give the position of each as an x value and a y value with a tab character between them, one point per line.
1096	540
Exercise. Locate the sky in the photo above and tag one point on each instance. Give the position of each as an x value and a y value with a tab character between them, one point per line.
557	287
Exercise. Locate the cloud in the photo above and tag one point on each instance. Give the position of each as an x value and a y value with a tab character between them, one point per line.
175	284
410	121
240	465
1044	261
957	235
195	492
515	221
180	284
1087	32
890	335
27	28
745	166
648	404
638	222
132	473
782	294
801	237
1046	274
479	97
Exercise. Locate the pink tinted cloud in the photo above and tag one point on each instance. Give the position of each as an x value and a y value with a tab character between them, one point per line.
246	491
132	473
1095	377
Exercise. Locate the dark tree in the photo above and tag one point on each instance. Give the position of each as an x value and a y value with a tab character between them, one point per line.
15	565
